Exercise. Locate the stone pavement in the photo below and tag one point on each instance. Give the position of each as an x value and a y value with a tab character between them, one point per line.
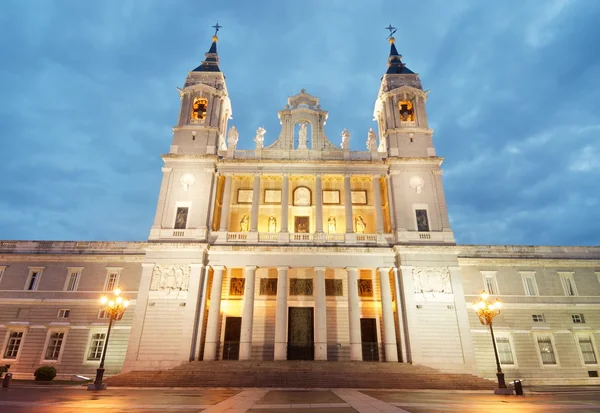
69	399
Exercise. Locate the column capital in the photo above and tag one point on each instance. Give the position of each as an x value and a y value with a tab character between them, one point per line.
437	172
378	175
250	267
406	267
320	268
148	264
383	269
348	176
257	174
197	266
354	269
283	268
218	267
227	174
165	169
318	174
285	174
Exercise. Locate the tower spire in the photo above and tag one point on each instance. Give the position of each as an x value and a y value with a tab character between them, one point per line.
211	59
395	65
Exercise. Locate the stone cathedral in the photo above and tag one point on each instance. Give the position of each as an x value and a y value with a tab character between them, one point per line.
301	249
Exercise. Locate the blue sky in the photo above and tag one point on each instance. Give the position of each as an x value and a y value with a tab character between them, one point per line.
88	99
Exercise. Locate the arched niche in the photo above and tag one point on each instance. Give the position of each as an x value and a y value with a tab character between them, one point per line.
302	196
303	134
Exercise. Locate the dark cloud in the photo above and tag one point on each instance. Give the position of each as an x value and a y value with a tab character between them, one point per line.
89	99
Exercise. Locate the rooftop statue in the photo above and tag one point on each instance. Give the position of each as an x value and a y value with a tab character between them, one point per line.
260	137
346	139
371	140
232	136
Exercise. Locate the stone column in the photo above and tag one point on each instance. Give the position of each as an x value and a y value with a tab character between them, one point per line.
190	314
202	311
462	318
214	315
284	202
378	209
354	315
213	201
255	199
139	315
318	204
247	313
390	200
348	204
413	341
389	329
320	315
281	315
225	204
400	314
162	197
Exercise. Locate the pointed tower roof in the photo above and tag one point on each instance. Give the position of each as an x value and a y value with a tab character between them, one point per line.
211	59
395	65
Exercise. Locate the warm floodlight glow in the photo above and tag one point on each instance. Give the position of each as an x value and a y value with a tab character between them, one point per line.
484	295
126	303
119	300
117	291
103	300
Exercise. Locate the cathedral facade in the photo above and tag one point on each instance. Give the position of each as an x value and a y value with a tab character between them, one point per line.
301	249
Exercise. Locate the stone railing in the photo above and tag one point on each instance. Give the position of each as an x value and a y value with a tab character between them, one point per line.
59	247
335	237
283	154
237	236
188	233
268	236
366	237
301	237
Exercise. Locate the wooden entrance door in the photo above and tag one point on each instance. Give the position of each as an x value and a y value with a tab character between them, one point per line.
368	337
301	344
231	346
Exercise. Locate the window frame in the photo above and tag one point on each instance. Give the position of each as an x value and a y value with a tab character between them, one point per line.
9	330
539	353
70	272
581	317
415	207
65	311
93	331
40	271
492	275
589	335
511	344
182	204
109	272
65	332
524	276
564	276
538	322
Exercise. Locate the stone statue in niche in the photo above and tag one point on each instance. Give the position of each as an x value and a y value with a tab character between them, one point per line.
301	286
245	223
302	196
268	286
365	288
222	144
422	221
372	140
334	288
181	218
361	225
303	135
170	278
199	108
259	139
346	140
407	113
331	225
432	280
232	137
272	224
236	286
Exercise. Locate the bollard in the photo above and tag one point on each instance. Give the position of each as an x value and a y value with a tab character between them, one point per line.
518	388
6	381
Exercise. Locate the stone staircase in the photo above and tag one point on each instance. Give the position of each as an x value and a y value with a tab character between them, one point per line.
301	374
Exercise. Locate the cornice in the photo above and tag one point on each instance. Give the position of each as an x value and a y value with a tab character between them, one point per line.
300	250
528	262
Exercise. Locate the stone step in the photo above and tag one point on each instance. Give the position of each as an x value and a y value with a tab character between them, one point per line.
309	374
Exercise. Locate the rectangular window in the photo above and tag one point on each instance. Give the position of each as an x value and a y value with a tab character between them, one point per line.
529	283
489	282
578	318
504	350
111	281
103	314
63	313
422	220
96	346
538	318
13	344
72	281
568	283
33	280
54	345
587	350
181	217
546	350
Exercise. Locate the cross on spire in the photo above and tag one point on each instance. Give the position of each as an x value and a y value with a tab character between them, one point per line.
391	29
216	27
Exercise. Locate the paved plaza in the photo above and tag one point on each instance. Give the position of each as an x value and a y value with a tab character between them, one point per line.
70	399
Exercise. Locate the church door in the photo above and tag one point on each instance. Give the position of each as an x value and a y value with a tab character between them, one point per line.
301	344
231	346
368	337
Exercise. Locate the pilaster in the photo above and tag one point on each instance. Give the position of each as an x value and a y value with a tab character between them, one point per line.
389	329
190	316
214	315
281	315
354	314
320	315
247	313
225	206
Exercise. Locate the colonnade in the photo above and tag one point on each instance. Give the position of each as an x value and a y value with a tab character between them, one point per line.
224	222
320	314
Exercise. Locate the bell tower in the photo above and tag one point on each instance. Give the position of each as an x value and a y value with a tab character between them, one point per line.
189	176
416	175
205	108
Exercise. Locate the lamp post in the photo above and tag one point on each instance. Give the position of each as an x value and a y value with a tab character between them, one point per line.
115	307
486	311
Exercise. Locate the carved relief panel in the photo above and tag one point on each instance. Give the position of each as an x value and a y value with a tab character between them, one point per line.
236	286
301	286
432	280
365	288
170	278
268	286
334	288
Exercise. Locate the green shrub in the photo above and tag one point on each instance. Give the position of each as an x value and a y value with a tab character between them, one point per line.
45	373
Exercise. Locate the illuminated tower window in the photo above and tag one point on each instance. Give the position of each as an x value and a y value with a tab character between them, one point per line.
199	108
407	112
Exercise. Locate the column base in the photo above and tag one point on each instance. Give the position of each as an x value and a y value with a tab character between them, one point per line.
350	238
252	237
280	352
391	353
210	352
245	351
356	352
321	351
284	237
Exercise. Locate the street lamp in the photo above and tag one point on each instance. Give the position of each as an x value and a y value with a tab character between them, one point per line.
115	307
486	311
